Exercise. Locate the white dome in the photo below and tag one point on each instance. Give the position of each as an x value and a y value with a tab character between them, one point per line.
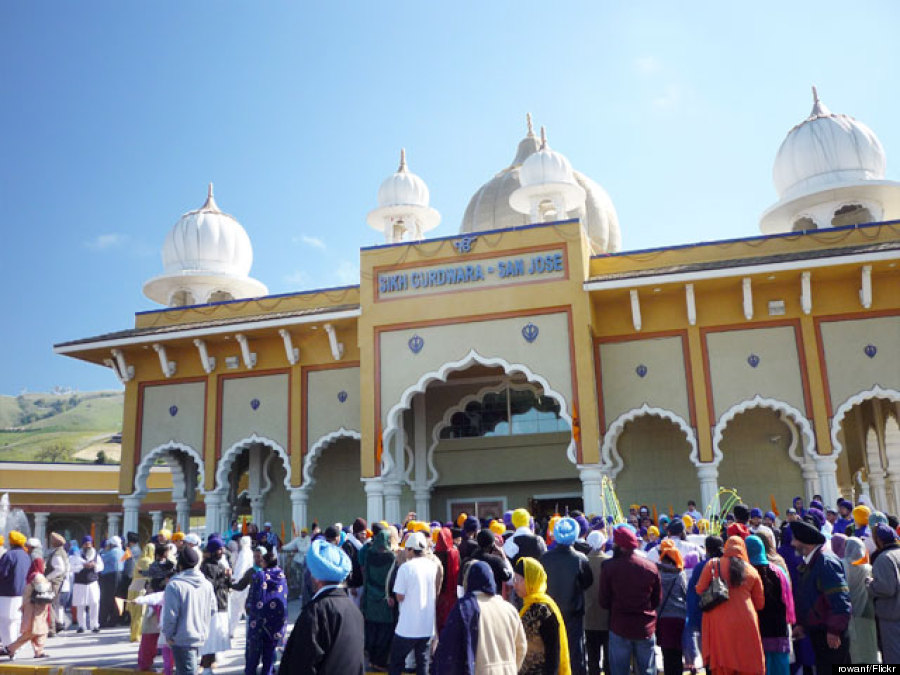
489	207
824	151
403	188
207	240
545	166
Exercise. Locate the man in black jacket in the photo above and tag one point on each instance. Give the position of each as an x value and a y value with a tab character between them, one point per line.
328	636
568	575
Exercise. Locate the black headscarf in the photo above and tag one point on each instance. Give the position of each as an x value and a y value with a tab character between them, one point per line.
458	643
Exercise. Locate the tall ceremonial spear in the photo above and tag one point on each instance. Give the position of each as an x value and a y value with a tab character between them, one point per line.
610	502
719	507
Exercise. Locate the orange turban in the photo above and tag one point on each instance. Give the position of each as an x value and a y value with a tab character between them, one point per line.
668	549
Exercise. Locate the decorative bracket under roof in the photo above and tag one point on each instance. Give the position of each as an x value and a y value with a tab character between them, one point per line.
292	352
123	371
248	356
337	348
167	367
208	362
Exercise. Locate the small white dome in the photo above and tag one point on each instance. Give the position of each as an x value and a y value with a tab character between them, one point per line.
207	240
545	166
826	150
403	188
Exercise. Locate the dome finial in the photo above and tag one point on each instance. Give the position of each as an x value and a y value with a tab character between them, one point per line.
543	137
819	109
402	166
210	204
530	124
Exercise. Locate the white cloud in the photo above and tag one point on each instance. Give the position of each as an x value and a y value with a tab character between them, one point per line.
647	65
104	242
669	98
315	242
347	273
296	279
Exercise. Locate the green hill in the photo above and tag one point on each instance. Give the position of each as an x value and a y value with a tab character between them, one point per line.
63	426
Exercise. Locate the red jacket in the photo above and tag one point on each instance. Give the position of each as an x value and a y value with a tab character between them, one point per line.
631	590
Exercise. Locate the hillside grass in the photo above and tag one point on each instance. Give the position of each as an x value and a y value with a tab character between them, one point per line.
59	427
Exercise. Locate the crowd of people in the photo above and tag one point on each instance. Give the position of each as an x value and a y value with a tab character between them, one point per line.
748	592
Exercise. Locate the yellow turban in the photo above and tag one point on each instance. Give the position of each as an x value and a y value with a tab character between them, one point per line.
165	534
520	518
497	527
460	519
654	530
688	522
703	525
2	540
418	526
178	536
16	538
861	515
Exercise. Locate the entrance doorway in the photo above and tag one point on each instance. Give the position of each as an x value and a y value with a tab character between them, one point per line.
544	507
483	508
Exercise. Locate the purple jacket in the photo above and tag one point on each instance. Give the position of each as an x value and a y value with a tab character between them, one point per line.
14	566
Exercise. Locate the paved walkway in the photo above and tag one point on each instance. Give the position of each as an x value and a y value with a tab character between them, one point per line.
110	648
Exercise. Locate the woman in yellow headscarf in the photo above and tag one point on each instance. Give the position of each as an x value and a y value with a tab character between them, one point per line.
548	647
136	590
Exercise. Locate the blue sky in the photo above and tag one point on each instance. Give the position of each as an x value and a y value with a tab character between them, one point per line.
116	115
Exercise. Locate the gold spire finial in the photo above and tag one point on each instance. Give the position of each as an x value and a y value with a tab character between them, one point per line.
543	137
402	160
530	124
815	95
210	204
819	109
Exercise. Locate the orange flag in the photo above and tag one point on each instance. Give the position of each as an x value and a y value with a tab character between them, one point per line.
773	505
282	531
671	511
294	529
94	532
576	427
379	450
243	526
655	515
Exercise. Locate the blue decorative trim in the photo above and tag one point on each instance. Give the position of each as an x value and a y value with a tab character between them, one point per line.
173	410
416	343
753	360
870	351
254	403
530	332
342	396
641	370
464	244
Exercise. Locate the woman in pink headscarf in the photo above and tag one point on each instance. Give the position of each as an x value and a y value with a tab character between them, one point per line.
36	601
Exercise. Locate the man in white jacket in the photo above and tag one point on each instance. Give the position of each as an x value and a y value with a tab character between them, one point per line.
86	567
188	608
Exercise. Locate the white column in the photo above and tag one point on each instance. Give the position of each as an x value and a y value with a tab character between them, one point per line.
113	520
131	506
183	515
827	468
214	501
257	509
591	477
708	474
157	517
392	492
40	526
374	499
299	508
423	502
810	479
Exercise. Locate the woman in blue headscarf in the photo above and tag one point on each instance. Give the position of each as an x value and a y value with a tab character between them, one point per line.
483	632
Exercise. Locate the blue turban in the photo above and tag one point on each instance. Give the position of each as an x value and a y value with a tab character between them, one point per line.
214	544
885	534
676	527
770	515
326	562
471	525
756	551
583	526
877	518
566	531
756	512
87	539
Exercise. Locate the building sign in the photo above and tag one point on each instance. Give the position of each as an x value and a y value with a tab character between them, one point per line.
472	274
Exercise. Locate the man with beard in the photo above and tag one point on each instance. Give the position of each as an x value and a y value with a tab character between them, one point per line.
87	566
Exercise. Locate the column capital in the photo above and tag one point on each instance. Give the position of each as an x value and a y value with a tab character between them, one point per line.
422	492
156	513
113	517
708	471
591	473
393	489
828	465
299	496
373	486
131	501
216	498
41	516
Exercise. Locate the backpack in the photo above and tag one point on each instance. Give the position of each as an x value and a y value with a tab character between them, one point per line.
41	592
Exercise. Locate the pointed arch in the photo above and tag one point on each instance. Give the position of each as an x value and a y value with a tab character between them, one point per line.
610	459
786	410
312	456
394	418
228	457
845	407
149	460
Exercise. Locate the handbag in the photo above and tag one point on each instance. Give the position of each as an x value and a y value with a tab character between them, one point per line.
717	591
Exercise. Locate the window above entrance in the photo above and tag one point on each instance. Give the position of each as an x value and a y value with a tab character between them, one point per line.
508	412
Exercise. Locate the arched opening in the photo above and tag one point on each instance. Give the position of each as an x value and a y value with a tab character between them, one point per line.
757	460
480	437
187	479
336	493
182	298
651	454
254	477
851	214
220	296
804	224
865	431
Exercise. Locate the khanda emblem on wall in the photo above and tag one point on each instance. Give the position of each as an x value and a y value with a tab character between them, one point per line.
530	332
173	410
753	360
254	404
342	396
416	343
871	351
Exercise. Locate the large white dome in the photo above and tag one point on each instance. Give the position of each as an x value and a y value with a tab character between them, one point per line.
489	207
826	150
207	240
